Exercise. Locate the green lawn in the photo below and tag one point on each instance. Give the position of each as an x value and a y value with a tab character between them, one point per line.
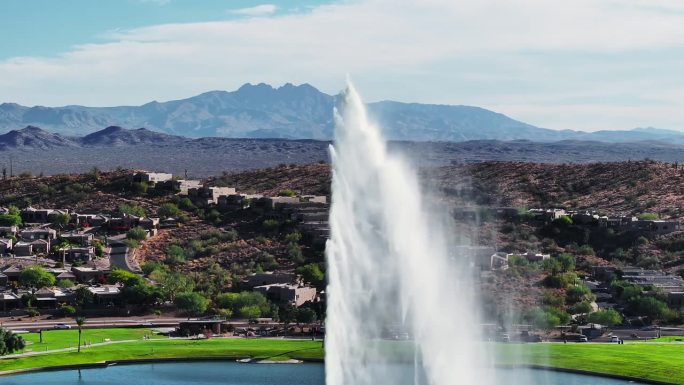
233	347
662	362
60	339
667	339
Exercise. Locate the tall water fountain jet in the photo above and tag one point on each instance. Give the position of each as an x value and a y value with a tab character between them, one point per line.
391	275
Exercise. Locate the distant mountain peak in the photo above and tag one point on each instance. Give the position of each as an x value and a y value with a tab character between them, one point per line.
119	136
111	130
252	87
33	129
294	112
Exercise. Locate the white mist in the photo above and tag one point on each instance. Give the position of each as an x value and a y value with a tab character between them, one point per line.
391	274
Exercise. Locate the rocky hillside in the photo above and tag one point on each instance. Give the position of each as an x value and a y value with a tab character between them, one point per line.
615	187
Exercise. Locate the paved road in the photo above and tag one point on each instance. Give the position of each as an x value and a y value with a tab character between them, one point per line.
111	322
92	323
120	258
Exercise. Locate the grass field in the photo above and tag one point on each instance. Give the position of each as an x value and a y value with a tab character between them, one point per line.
233	347
667	339
60	339
660	362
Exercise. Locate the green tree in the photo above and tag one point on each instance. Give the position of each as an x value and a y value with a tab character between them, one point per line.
237	301
83	296
140	294
79	322
306	315
250	312
648	216
544	320
294	252
140	187
563	221
311	273
99	248
10	342
36	277
171	283
191	303
579	293
566	261
168	210
66	284
136	233
60	220
294	237
287	193
67	310
12	218
608	317
175	255
186	204
650	307
583	307
131	210
270	225
125	277
150	266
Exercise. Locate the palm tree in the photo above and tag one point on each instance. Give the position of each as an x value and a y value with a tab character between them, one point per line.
79	321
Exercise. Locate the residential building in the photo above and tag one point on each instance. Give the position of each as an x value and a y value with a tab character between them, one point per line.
531	256
40	246
78	254
151	177
78	238
89	220
208	195
9	301
481	257
657	227
106	294
283	293
5	246
29	235
8	231
22	249
261	279
89	274
32	215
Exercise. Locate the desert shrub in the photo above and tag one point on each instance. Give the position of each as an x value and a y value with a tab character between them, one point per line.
136	233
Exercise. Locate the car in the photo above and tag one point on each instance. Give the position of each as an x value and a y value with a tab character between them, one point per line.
61	326
147	323
583	339
614	339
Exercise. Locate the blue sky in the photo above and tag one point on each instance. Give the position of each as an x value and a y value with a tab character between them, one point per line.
49	27
585	64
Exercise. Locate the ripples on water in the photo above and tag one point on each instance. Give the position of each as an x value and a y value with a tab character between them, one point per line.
230	373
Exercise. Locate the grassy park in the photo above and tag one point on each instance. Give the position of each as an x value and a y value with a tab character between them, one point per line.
652	361
61	339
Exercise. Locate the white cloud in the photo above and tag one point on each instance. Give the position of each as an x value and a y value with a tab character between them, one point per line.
518	57
259	10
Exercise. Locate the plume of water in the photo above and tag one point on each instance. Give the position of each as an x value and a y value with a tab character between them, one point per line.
391	275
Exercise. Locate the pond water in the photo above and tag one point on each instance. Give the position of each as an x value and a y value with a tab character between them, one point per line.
231	373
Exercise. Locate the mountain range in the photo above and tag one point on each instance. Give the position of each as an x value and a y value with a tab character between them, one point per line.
288	112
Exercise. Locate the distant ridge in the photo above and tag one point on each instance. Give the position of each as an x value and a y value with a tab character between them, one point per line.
32	137
294	112
117	136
